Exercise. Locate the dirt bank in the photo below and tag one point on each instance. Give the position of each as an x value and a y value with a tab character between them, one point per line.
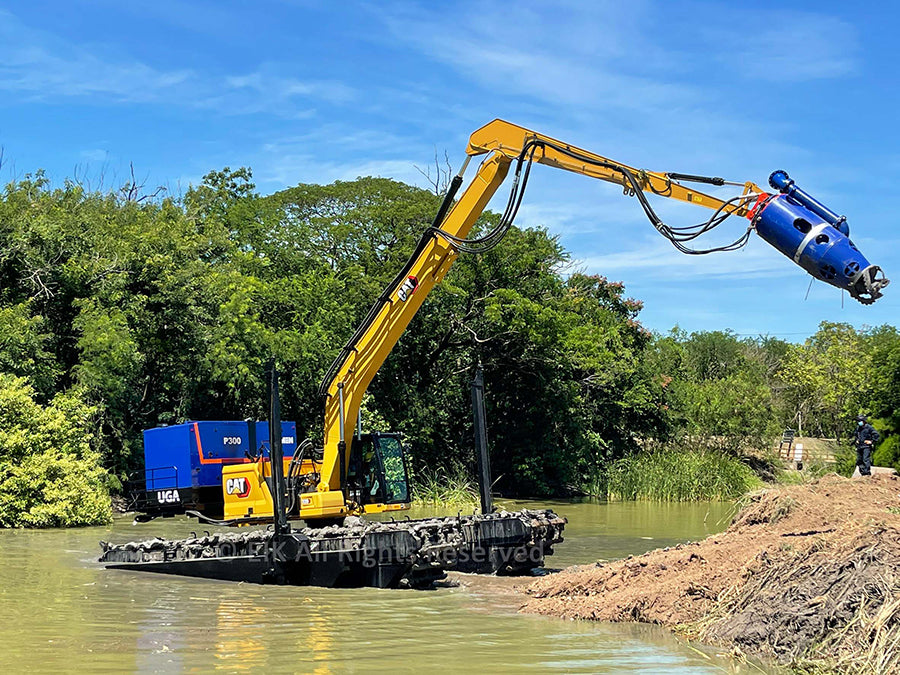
803	572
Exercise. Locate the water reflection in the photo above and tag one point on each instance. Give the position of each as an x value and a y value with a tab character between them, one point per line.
238	644
320	641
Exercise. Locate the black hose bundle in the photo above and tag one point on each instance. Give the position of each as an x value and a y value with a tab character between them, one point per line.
678	236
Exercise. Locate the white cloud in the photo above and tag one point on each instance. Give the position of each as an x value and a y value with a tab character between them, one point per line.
269	86
336	135
36	65
798	47
570	218
577	54
335	151
94	155
657	259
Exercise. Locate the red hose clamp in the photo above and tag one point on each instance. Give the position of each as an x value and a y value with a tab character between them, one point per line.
761	200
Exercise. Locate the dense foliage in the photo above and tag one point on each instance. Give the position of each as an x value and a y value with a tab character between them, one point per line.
741	393
49	475
721	389
126	312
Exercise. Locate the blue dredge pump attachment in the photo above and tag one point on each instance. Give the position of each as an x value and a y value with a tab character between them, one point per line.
815	238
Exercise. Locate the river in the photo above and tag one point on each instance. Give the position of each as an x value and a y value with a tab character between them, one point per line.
65	613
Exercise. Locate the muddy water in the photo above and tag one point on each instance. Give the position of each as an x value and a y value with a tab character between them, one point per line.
63	613
609	531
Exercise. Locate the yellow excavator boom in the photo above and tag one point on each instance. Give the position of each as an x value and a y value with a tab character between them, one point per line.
793	222
502	143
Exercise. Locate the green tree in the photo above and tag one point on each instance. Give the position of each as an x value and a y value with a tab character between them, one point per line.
49	475
566	385
160	310
719	389
884	376
24	348
826	378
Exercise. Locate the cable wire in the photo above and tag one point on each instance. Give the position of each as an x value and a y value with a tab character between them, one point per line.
678	236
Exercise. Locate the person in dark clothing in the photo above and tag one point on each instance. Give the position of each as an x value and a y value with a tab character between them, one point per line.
866	438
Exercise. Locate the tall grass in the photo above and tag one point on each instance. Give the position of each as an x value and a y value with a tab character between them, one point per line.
678	474
452	486
812	470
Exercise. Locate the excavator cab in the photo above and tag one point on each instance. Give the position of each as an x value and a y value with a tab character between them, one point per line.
377	472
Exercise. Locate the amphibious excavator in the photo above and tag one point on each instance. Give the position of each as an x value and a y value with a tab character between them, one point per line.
331	484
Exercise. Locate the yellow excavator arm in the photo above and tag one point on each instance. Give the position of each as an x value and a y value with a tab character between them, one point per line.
503	144
789	219
509	140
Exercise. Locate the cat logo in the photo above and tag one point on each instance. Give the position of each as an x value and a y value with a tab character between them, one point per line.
239	487
408	288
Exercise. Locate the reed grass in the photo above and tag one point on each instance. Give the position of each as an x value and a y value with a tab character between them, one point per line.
812	471
450	486
678	474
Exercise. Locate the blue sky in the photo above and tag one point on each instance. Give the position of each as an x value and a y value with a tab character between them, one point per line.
310	91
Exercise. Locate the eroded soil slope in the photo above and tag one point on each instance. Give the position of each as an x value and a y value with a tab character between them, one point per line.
802	572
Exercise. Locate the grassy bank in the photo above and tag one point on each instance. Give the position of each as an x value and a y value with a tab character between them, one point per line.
672	473
677	474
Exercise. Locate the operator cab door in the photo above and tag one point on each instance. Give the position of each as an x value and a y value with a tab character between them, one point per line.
378	470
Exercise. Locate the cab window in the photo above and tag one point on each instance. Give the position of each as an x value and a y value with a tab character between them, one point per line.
394	463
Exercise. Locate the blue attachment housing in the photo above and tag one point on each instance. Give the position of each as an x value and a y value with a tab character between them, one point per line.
173	457
813	243
779	180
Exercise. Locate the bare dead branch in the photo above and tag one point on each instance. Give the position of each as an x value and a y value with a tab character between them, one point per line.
440	182
40	288
131	191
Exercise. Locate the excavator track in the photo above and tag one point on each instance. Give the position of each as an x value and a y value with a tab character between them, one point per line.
412	553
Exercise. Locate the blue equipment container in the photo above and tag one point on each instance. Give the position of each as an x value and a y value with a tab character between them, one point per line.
183	462
816	238
193	453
